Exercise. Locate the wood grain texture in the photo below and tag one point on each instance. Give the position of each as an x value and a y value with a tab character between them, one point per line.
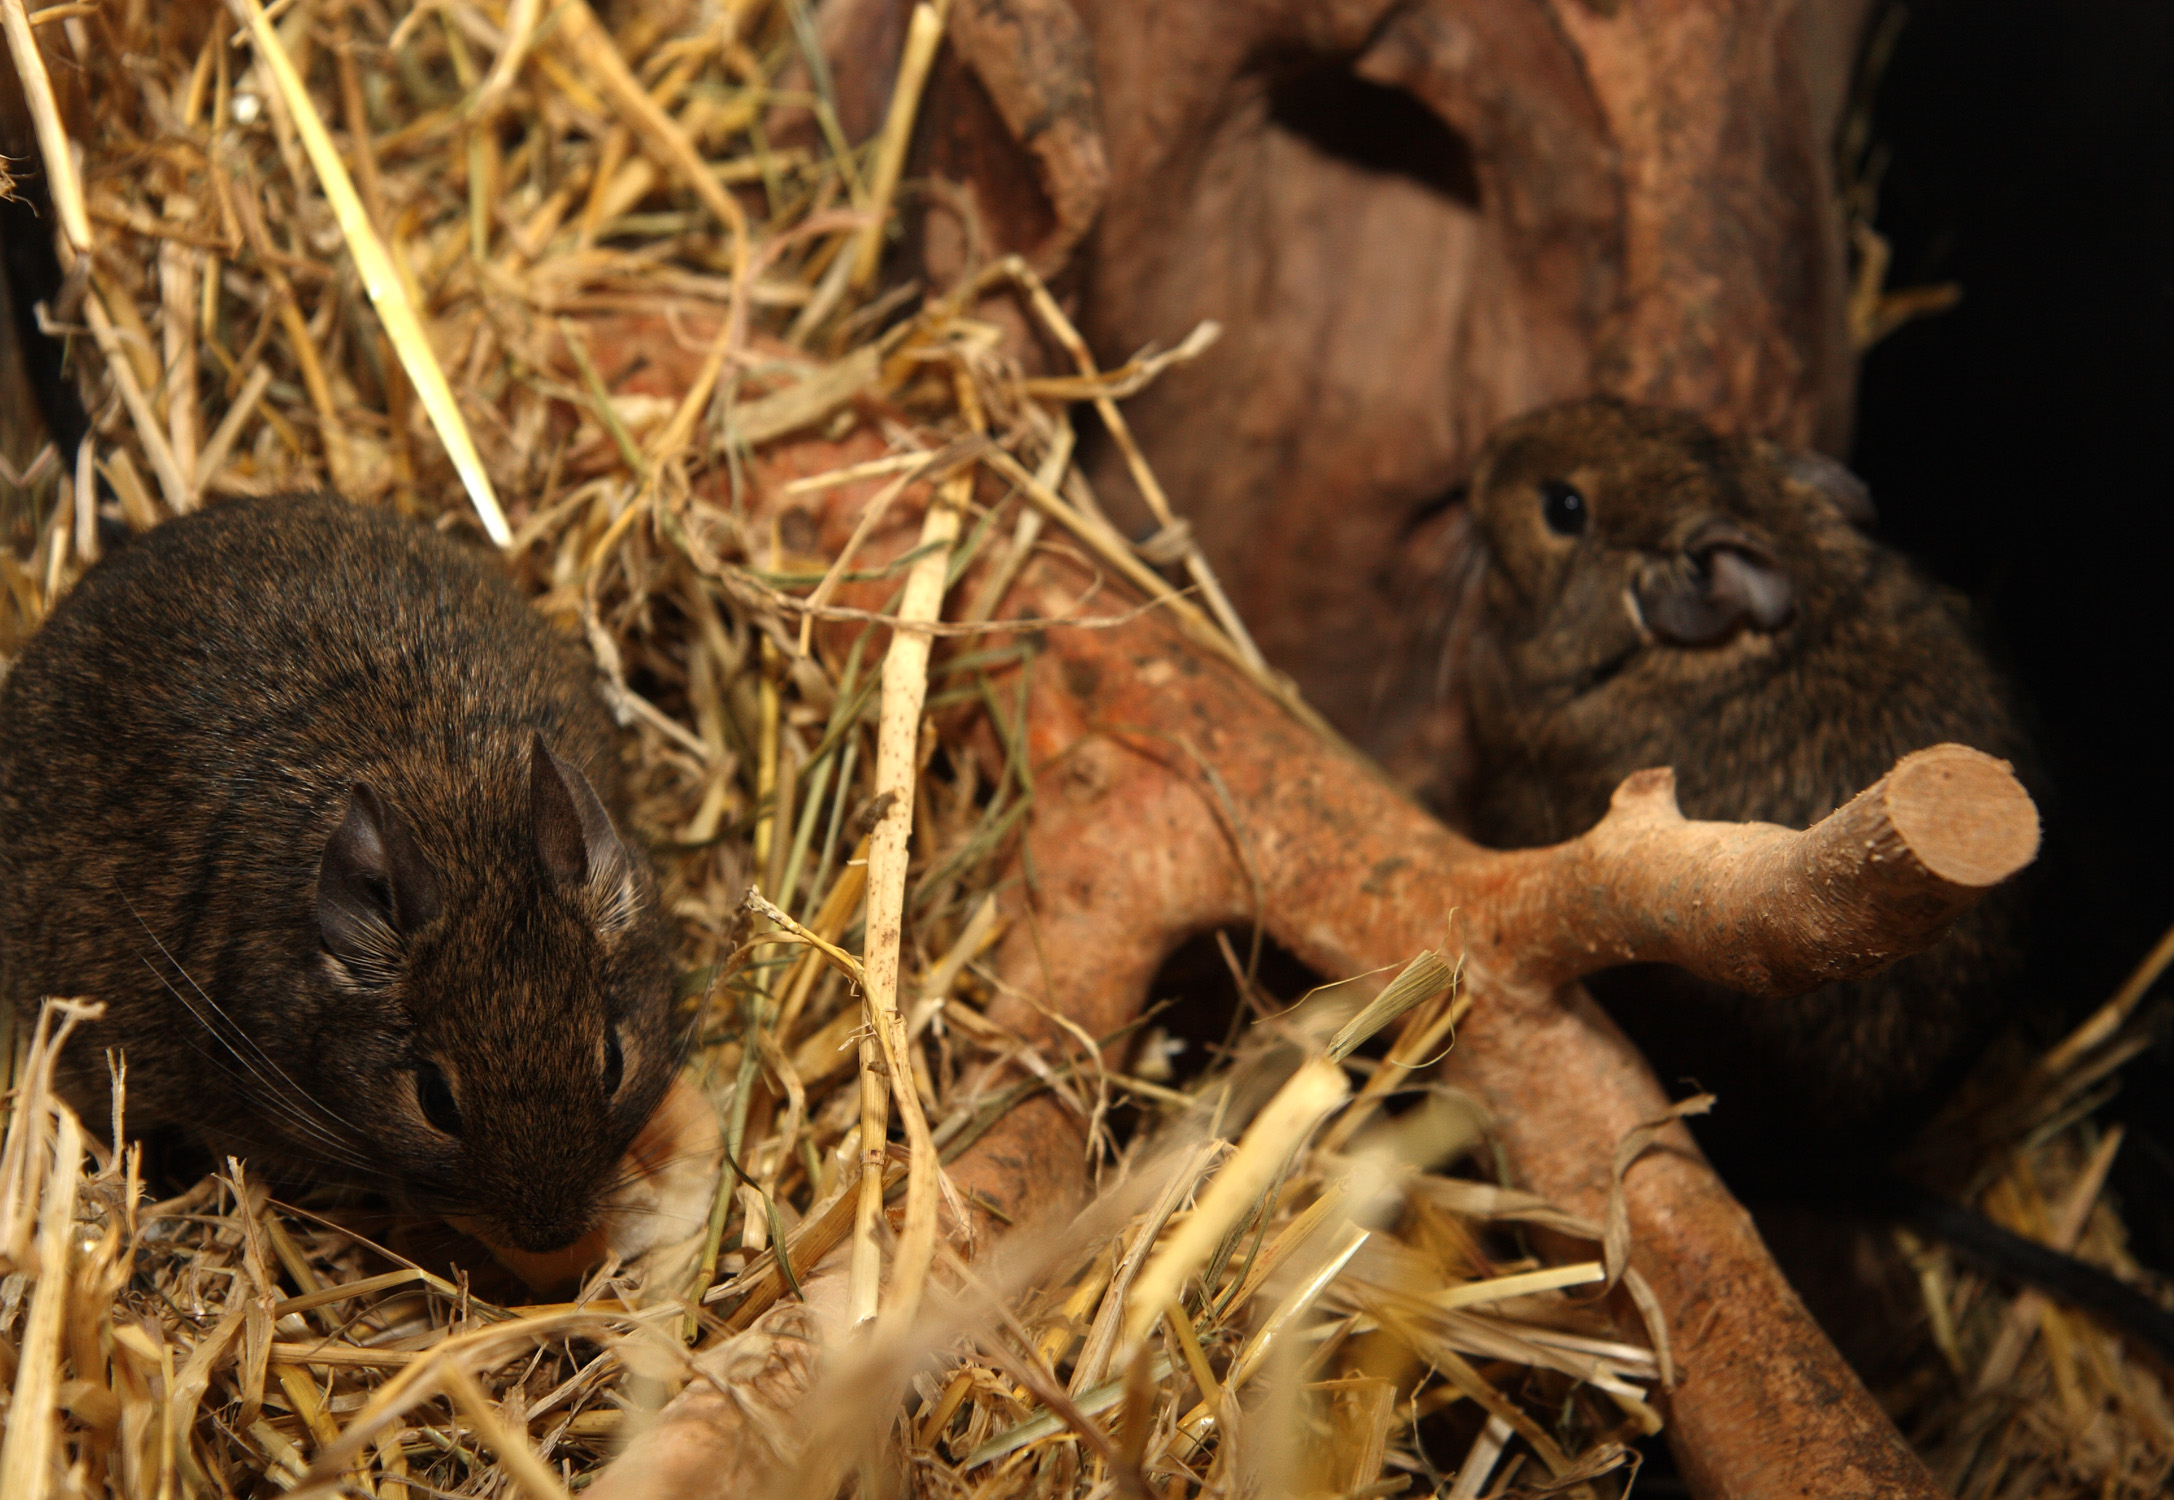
1414	222
1134	846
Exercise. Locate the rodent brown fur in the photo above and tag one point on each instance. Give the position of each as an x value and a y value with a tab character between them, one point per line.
309	798
1723	611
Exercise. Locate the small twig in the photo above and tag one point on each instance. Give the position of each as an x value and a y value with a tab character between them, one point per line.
62	181
1143	476
923	33
935	466
2027	1311
512	1448
898	739
521	20
149	431
1316	1088
846	962
388	293
1049	473
601	404
592	49
2108	1018
1117	552
212	458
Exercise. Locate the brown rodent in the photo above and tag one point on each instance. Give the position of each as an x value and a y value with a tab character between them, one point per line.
1646	592
308	797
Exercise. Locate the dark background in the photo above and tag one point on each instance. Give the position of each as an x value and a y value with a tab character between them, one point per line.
2022	447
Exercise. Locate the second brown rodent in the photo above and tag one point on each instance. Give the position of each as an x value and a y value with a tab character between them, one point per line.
1643	591
316	806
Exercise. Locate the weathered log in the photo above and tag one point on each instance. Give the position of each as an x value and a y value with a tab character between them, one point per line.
1174	796
1414	221
1135	845
737	1427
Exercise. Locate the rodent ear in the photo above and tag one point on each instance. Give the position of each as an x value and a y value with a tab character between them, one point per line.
1830	480
575	838
374	887
1722	581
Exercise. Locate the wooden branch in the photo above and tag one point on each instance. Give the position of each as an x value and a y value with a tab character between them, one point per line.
1173	797
898	740
736	1427
1759	908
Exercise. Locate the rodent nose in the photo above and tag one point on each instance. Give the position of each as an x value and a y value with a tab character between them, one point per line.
542	1232
1722	581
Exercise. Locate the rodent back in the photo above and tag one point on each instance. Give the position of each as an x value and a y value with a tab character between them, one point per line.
185	747
203	699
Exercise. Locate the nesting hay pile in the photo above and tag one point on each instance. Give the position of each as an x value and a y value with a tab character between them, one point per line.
607	294
533	178
2010	1394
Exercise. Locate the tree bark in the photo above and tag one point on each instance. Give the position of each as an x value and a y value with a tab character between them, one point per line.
1173	797
1414	221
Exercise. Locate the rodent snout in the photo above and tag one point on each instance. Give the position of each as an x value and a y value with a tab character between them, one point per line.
1722	580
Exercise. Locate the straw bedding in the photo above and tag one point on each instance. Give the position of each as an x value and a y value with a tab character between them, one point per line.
1368	1316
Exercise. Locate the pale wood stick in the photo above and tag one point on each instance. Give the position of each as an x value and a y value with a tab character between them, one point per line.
178	269
1762	909
898	741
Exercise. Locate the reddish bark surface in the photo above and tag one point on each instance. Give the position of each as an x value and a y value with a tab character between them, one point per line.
1173	796
1135	845
1414	221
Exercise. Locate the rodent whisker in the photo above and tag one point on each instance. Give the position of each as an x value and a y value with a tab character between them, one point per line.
268	1098
318	1140
293	1092
689	1035
643	1210
645	1172
264	1086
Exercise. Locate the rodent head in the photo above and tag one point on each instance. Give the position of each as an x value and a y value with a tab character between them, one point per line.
1631	553
508	977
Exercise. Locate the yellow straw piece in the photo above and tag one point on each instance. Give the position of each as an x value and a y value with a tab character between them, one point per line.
1523	1284
387	292
923	33
1311	1092
60	173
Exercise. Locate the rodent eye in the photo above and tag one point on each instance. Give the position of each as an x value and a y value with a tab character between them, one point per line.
1562	507
435	1095
614	1061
